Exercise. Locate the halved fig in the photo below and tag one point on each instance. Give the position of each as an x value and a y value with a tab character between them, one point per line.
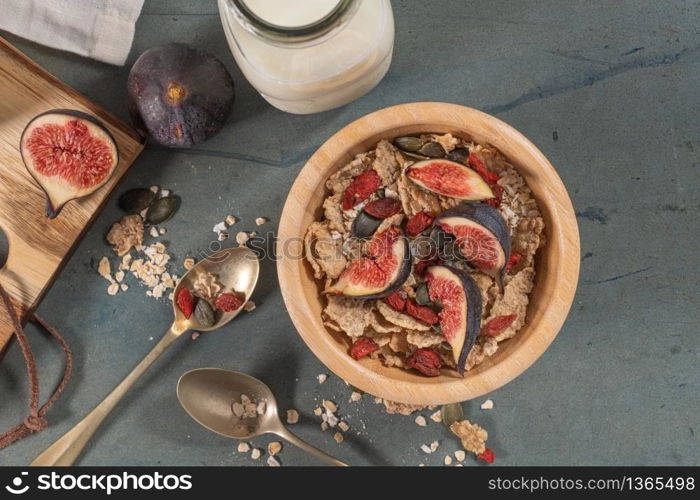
381	272
449	178
482	237
70	155
460	317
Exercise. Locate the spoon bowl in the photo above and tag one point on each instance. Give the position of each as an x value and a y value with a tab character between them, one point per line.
207	395
236	269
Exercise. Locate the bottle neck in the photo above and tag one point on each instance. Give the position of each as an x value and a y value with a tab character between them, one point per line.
308	34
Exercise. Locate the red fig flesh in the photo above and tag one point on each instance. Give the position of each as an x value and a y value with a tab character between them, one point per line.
460	316
449	178
482	236
70	155
379	274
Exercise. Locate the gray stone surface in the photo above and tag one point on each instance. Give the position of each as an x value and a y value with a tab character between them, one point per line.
609	92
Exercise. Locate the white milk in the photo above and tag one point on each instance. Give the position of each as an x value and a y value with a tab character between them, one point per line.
319	75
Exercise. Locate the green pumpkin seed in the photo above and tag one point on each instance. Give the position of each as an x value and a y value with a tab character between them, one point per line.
459	155
135	200
422	295
204	314
410	144
415	156
162	209
452	413
432	150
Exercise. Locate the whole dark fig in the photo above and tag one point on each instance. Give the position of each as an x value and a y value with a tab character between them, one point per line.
179	95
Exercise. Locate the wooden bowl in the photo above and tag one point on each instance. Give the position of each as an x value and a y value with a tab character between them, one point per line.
557	263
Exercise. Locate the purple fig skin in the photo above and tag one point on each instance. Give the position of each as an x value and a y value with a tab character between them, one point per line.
474	307
403	274
179	95
489	218
51	210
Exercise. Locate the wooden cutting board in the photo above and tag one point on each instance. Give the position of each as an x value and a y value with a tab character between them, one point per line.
38	247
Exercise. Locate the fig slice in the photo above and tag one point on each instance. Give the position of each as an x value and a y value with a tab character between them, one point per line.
482	237
381	272
449	178
70	155
460	317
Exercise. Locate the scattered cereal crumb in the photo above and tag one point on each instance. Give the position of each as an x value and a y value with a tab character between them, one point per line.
242	237
322	377
255	454
330	406
460	455
343	426
274	447
421	465
420	420
425	448
195	336
124	287
154	189
318	412
324	426
338	437
104	269
487	405
448	460
238	409
119	276
273	462
243	447
219	228
188	263
260	221
292	416
434	445
436	417
153	232
355	396
163	193
230	220
162	230
222	237
249	306
126	260
113	289
473	437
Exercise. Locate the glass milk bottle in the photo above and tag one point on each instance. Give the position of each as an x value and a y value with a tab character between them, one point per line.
306	56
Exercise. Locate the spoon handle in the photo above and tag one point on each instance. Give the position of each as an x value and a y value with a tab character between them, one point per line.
67	449
286	434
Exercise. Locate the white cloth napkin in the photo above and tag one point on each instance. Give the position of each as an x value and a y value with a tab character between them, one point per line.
100	29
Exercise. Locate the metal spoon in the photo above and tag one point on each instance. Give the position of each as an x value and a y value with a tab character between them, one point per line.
207	394
235	268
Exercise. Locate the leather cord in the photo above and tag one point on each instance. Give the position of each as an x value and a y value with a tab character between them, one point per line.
35	420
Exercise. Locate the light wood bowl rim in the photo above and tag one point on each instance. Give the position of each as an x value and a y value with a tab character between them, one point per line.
558	270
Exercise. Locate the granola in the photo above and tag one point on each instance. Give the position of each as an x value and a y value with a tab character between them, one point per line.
397	327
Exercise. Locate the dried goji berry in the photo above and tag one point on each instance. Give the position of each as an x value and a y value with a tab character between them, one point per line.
478	165
423	313
418	223
487	456
383	207
425	361
362	347
497	191
396	300
361	188
513	260
185	302
498	325
228	302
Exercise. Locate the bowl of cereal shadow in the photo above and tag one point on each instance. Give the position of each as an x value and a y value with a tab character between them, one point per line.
539	290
